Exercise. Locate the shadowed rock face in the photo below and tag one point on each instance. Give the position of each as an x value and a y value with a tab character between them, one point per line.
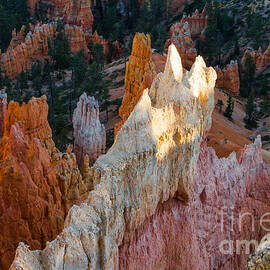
228	78
74	12
260	59
89	133
187	235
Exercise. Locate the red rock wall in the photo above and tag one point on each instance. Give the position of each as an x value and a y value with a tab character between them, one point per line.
180	36
74	12
197	22
228	78
261	60
35	46
187	235
76	39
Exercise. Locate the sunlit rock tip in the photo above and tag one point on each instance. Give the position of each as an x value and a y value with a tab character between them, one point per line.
89	133
201	79
174	64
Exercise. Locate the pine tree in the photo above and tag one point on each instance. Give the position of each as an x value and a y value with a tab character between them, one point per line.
251	112
247	78
229	109
220	105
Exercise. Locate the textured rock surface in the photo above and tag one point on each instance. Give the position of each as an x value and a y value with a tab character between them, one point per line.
261	60
89	133
140	72
3	110
197	22
260	260
22	50
228	78
74	12
187	236
180	36
35	46
76	38
38	184
152	160
79	13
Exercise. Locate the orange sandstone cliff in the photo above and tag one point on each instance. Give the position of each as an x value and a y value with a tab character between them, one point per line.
140	71
38	183
228	78
261	60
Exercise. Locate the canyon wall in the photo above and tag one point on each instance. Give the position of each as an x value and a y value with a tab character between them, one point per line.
197	22
38	183
198	234
152	160
89	133
261	60
22	51
159	191
35	46
74	12
180	36
228	78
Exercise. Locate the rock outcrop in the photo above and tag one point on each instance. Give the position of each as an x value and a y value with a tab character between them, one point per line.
140	72
180	36
3	110
35	46
228	78
152	160
261	60
89	133
260	259
38	183
205	232
79	13
76	39
74	12
159	191
197	22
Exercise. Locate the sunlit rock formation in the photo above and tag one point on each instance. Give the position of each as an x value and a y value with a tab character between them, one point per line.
180	36
38	183
89	133
228	78
260	59
3	110
140	72
153	159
